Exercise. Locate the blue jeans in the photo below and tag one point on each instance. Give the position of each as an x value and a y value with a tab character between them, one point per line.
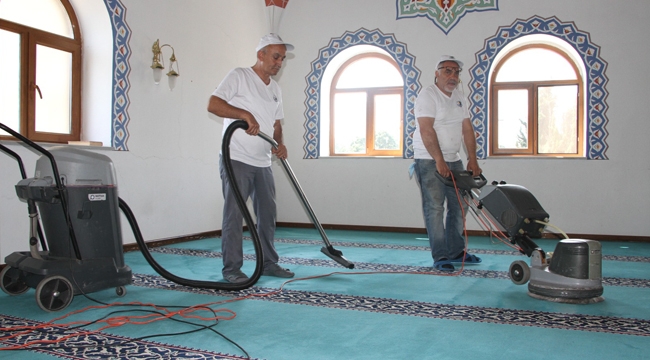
445	238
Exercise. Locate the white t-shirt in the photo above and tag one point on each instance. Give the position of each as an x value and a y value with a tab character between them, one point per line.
244	89
449	113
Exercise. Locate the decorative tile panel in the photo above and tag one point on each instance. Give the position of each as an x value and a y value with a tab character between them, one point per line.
445	14
595	78
121	69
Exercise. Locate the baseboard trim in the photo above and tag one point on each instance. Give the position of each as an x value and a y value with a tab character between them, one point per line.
174	240
546	235
217	233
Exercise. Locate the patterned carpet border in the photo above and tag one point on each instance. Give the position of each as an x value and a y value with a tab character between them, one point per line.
483	274
98	345
576	322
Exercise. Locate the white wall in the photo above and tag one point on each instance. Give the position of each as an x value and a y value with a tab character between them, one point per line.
170	178
589	197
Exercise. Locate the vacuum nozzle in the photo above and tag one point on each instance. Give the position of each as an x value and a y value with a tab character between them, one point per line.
337	256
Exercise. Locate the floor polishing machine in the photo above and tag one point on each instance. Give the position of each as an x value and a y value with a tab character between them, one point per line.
570	274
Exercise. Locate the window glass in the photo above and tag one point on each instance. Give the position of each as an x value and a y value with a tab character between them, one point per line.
557	112
350	123
10	78
53	101
46	15
387	130
534	65
513	119
363	73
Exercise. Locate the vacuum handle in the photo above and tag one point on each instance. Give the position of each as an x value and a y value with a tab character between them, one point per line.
328	249
18	159
57	179
298	188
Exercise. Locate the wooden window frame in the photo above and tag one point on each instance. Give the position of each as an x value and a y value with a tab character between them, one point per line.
29	39
532	87
371	93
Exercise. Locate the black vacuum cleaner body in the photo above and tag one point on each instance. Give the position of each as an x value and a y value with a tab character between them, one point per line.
571	274
86	255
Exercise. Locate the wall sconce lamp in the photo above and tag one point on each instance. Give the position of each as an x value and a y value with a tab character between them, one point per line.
158	65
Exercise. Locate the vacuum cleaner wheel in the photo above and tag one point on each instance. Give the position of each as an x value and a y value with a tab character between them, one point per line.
54	293
12	284
519	272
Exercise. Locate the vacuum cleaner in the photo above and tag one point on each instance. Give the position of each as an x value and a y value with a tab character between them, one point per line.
571	274
78	189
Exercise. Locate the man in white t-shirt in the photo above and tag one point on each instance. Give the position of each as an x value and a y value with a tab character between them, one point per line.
441	128
250	94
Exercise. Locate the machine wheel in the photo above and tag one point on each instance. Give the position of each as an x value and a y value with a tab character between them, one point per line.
120	291
54	293
519	272
11	282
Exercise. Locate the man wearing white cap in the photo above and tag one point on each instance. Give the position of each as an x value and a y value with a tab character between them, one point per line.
250	94
442	126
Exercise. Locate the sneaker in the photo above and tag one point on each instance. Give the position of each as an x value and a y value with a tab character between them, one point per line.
277	271
235	277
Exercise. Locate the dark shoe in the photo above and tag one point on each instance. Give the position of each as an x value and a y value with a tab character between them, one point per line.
443	265
235	277
277	271
469	259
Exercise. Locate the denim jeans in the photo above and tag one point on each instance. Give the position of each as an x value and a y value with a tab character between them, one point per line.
445	238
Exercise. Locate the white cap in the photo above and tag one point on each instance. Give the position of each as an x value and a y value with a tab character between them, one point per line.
449	58
272	39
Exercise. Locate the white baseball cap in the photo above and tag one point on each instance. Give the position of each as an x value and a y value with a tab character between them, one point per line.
272	39
449	58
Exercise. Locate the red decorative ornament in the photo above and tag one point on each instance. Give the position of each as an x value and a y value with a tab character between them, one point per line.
278	3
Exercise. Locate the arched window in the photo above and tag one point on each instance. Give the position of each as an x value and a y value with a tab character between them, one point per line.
41	72
366	101
537	98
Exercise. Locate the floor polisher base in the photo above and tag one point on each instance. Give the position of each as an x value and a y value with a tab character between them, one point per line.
565	295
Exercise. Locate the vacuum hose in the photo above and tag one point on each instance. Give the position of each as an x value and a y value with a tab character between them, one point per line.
328	250
241	203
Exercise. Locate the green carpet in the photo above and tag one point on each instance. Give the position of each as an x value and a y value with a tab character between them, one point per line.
391	306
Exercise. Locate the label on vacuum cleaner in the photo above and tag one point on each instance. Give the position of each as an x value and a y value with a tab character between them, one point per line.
97	197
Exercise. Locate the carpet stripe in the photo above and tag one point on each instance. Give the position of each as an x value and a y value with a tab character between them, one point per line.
98	345
483	274
577	322
426	248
